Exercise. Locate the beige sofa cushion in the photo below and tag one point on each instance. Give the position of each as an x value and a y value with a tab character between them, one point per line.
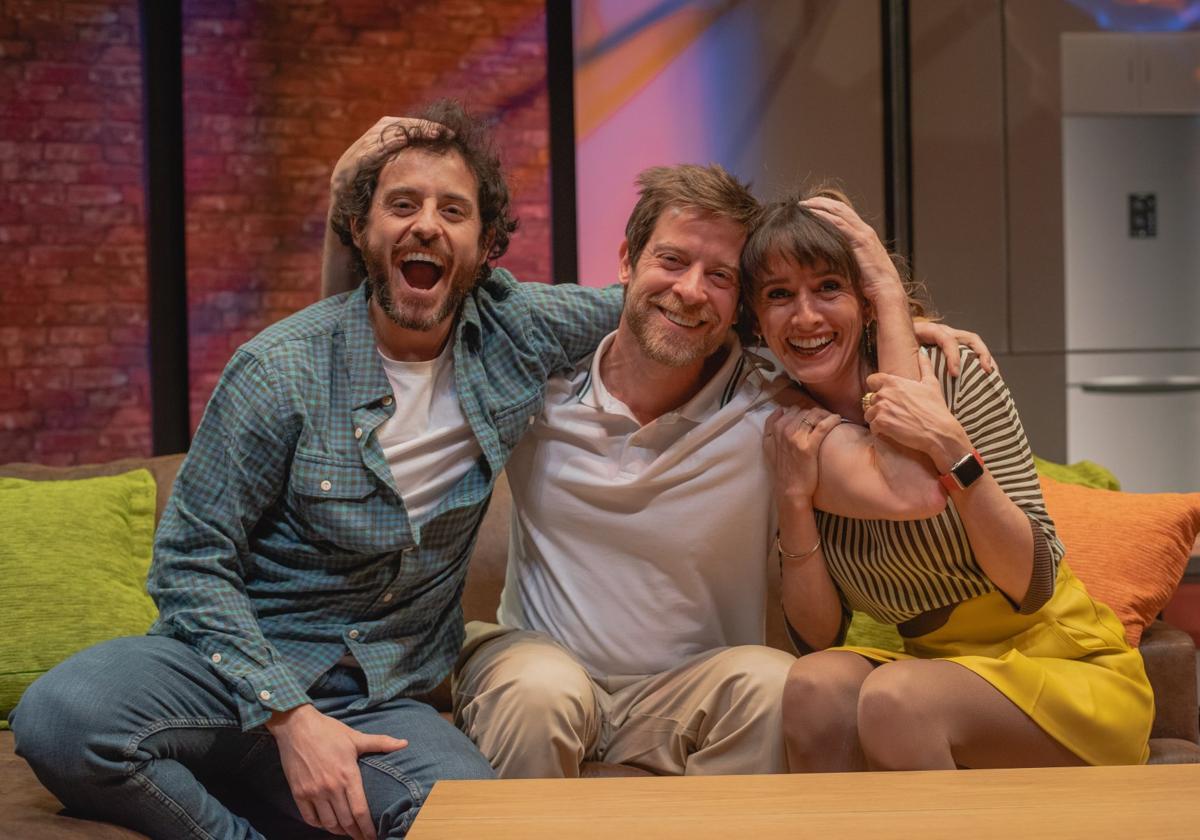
163	468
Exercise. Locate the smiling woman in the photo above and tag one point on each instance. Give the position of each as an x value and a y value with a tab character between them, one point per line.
813	300
1000	639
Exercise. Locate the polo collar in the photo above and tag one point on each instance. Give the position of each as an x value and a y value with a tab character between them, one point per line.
719	389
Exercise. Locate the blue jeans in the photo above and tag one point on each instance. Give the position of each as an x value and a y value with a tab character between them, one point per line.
142	732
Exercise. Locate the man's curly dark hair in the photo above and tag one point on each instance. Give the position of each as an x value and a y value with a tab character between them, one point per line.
460	131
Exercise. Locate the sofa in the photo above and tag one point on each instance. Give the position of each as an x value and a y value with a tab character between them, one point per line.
30	811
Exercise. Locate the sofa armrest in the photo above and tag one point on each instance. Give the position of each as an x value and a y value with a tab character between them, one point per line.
1170	657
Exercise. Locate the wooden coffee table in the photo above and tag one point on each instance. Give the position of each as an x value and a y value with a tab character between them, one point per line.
1158	802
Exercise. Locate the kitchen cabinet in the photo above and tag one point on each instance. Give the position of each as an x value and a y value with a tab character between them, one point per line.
1131	73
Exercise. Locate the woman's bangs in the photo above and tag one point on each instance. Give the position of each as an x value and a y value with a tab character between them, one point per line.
810	244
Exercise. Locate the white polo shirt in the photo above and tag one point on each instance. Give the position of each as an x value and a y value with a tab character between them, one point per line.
639	546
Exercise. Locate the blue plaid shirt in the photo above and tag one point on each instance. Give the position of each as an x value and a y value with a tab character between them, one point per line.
285	543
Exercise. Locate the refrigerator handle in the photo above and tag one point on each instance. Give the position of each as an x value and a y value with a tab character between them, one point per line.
1141	384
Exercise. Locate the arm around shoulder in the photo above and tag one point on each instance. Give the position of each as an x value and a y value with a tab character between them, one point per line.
574	318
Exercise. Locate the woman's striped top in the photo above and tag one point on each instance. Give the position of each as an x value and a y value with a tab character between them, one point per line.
894	571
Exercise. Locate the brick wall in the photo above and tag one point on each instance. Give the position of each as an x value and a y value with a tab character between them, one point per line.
73	382
273	92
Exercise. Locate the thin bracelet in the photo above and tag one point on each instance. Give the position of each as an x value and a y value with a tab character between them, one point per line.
787	555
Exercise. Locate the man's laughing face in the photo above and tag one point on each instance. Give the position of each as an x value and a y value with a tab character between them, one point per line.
421	239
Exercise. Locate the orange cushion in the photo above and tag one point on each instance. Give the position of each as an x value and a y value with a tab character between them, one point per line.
1129	549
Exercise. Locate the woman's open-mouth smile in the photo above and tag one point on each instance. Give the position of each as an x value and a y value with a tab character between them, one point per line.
813	346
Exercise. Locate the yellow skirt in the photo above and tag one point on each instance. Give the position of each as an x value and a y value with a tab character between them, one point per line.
1067	666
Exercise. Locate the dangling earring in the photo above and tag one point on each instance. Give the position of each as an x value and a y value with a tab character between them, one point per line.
751	354
868	342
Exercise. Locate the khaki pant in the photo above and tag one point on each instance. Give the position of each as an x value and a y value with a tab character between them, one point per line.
534	711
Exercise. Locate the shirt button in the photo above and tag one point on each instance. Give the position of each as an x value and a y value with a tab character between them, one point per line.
353	634
216	657
326	485
388	597
387	400
358	433
264	695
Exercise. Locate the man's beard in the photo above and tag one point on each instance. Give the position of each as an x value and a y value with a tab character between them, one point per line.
379	273
663	347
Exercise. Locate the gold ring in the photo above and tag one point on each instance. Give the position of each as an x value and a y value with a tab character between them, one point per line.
808	423
866	400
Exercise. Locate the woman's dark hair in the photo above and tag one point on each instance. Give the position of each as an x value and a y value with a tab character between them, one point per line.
788	230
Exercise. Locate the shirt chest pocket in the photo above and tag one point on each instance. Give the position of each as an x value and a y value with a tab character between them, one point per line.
339	504
512	422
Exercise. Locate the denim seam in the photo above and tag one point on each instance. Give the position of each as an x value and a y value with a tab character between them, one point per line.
157	726
154	790
173	806
414	790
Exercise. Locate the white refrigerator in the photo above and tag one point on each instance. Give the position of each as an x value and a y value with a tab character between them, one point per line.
1131	199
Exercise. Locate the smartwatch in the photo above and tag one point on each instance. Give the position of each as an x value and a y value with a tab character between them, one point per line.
965	472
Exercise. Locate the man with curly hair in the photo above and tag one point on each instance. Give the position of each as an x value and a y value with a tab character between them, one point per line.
309	566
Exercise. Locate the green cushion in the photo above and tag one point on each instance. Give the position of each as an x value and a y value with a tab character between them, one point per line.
73	562
1087	473
865	631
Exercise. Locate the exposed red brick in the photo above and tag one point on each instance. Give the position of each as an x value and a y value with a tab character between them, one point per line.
273	93
106	34
47	399
77	335
91	194
89	111
11	421
77	293
21	294
48	73
67	234
132	336
16	233
58	256
88	378
12	399
15	49
90	13
119	214
61	442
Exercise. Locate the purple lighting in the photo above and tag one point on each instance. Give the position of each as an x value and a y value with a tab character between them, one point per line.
1142	15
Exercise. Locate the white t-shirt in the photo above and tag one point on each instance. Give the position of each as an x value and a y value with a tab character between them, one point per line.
427	441
639	546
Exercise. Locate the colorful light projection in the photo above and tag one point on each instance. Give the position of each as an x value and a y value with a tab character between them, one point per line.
779	92
654	84
1142	15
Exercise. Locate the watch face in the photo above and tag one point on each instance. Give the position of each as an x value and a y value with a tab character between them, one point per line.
967	470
